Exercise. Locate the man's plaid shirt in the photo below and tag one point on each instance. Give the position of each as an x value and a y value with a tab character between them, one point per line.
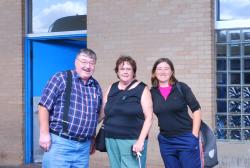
85	104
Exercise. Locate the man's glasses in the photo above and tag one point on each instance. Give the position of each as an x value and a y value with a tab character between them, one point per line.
84	62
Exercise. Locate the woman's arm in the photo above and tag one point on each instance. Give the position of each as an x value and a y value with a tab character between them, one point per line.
147	107
100	118
196	122
105	97
194	107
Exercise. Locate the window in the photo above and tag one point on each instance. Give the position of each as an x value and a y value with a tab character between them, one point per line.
233	10
57	15
233	84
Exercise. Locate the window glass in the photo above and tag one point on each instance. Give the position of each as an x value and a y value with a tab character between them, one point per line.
247	64
246	35
234	121
57	15
235	134
233	85
246	49
234	92
221	64
221	36
246	93
221	124
221	106
246	133
221	78
234	64
221	92
221	121
234	35
221	50
235	50
234	10
246	107
234	78
246	121
234	106
221	133
247	78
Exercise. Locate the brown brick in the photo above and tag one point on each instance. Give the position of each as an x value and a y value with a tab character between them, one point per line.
11	85
147	30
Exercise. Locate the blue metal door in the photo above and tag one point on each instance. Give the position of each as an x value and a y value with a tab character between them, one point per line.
44	57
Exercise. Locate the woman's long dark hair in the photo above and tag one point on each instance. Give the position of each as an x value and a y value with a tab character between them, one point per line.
154	80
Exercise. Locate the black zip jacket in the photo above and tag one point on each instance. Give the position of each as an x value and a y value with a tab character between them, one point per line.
172	113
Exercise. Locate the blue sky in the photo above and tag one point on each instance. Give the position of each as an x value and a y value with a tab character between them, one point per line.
45	12
234	9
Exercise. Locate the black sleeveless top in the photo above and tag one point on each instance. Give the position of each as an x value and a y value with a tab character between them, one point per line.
124	116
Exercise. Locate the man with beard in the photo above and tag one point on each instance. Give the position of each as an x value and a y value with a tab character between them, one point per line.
68	114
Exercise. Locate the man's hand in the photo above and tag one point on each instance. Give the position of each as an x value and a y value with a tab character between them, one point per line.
45	141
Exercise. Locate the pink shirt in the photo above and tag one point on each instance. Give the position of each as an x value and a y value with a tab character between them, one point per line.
165	91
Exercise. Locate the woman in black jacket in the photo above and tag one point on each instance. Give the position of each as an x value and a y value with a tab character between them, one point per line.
179	133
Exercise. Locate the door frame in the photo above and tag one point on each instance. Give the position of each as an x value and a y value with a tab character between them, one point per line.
28	88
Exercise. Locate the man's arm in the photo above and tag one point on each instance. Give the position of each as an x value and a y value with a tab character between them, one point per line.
44	140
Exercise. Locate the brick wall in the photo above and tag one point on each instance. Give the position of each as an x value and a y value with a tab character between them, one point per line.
11	85
147	30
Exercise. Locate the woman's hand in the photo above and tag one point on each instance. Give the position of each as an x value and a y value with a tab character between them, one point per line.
92	146
196	134
138	146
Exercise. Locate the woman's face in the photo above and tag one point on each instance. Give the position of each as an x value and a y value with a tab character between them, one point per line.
125	72
163	72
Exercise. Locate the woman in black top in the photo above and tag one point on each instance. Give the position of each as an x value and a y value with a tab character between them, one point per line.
179	133
128	117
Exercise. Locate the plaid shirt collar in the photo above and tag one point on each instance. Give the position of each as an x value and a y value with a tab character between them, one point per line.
90	81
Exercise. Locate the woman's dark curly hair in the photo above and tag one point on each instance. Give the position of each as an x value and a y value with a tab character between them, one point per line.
122	59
